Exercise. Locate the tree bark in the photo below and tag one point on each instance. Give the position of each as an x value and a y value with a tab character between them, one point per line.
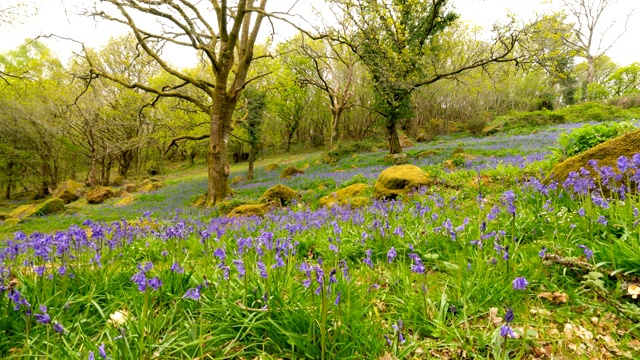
335	122
217	157
7	193
392	137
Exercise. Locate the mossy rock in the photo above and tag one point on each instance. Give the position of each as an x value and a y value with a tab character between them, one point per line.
279	194
130	188
150	187
126	200
4	216
118	180
249	210
345	195
399	180
10	221
449	165
405	142
148	181
358	202
458	150
237	180
272	167
396	159
69	191
51	206
606	154
291	171
100	194
425	153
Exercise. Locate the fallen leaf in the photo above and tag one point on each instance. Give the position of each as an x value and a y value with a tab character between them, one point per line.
556	297
493	316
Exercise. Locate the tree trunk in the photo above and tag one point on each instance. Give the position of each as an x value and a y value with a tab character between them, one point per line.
7	193
92	172
289	138
392	136
335	121
223	107
252	158
591	73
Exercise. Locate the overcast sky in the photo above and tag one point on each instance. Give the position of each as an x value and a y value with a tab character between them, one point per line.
60	17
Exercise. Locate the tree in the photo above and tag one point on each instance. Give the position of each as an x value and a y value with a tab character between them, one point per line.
625	80
590	44
224	36
399	43
332	71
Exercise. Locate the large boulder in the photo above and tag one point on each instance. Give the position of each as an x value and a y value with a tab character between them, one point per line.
399	180
396	159
405	142
291	171
51	206
118	180
100	194
129	188
69	191
279	194
272	167
250	210
153	186
606	154
345	196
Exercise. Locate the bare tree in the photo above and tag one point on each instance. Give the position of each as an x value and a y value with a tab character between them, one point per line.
222	34
590	42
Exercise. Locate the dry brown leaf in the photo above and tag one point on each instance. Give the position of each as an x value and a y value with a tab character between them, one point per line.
556	297
493	316
633	291
634	344
387	356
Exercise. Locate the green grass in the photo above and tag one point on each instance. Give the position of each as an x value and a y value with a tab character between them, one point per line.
440	305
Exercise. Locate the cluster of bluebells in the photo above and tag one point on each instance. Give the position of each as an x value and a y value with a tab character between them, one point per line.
143	281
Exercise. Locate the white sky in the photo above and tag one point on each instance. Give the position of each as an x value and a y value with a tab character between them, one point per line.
59	17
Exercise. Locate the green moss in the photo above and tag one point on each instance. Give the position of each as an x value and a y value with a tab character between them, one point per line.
399	180
279	194
291	171
51	206
343	196
250	210
606	154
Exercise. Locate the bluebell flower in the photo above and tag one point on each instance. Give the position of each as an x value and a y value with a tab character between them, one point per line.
262	268
602	220
91	356
520	283
101	351
542	252
506	331
175	267
391	254
193	293
57	327
587	252
155	283
508	317
43	318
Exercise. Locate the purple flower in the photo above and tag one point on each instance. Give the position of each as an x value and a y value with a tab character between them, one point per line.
43	318
392	254
602	220
175	267
155	283
91	356
240	267
506	331
193	294
508	199
542	252
508	317
386	337
367	259
140	279
581	212
101	351
58	328
337	301
587	252
262	268
623	164
220	254
520	283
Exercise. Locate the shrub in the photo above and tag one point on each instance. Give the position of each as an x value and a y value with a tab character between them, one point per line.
588	136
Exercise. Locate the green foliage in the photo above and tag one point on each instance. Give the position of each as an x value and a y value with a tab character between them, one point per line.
588	136
345	148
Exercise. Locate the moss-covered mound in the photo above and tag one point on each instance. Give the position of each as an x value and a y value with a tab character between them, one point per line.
291	171
126	200
345	196
279	194
69	191
51	206
405	141
272	167
606	154
396	159
118	180
399	180
100	194
153	186
250	210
